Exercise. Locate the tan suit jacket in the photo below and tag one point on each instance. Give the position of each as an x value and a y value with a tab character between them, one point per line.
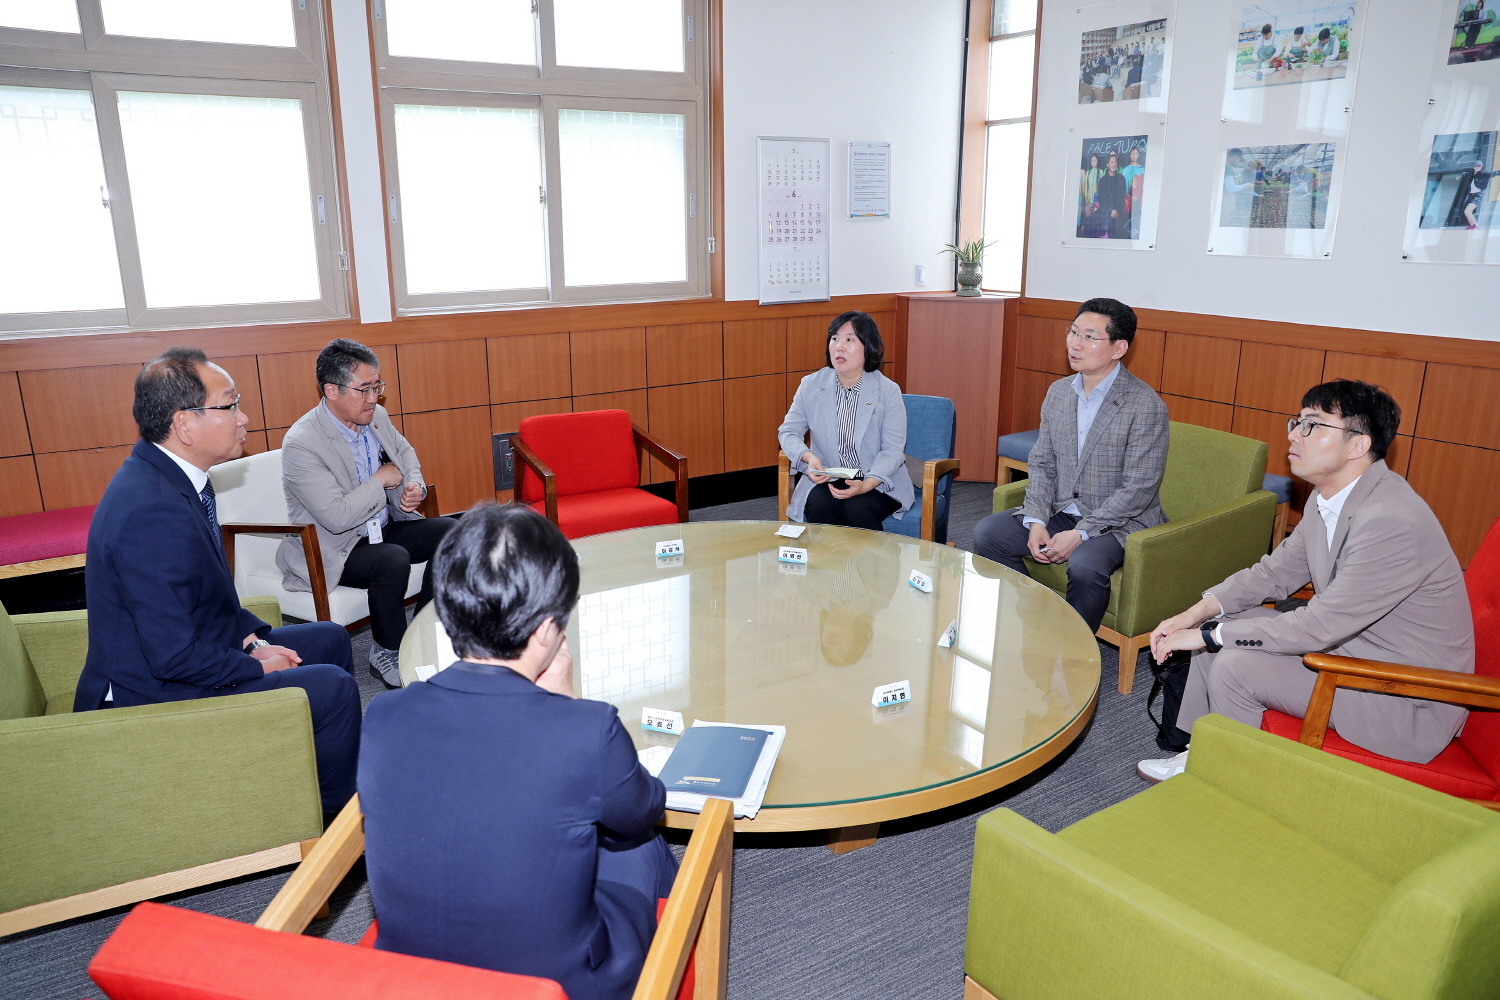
322	486
1388	588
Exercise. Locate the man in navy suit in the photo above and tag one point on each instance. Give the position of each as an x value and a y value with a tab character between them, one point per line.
165	623
508	823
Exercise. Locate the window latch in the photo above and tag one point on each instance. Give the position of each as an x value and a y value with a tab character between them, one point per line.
541	195
103	196
343	260
394	218
712	246
322	212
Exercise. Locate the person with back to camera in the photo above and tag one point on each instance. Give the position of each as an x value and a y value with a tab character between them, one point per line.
858	421
509	824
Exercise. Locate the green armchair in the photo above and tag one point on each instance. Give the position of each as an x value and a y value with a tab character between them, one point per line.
1219	522
1267	869
101	809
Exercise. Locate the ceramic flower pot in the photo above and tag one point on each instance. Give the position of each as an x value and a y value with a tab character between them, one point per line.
969	277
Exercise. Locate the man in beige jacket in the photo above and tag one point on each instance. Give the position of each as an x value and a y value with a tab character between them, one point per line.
1387	584
347	469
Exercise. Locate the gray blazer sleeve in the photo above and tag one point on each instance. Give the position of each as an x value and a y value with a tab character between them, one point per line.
1145	461
404	456
892	454
308	476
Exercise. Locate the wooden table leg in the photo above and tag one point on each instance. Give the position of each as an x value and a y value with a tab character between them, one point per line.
851	838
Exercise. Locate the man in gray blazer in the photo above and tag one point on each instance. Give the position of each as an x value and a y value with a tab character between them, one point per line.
1387	588
348	470
1095	470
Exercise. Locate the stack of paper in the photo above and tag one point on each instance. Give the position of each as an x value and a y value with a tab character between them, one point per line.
746	805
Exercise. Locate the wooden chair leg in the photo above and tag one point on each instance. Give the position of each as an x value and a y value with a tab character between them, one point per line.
1129	646
1278	526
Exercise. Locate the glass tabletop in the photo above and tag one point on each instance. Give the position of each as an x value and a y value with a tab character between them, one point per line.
728	633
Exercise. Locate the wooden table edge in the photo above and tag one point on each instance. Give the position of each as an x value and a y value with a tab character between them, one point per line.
879	810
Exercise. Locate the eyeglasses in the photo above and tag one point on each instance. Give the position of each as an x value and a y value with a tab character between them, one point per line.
234	406
368	391
1306	424
1075	335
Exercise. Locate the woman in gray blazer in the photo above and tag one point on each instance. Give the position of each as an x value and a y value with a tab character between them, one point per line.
857	420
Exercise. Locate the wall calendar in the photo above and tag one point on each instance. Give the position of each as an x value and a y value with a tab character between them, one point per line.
793	179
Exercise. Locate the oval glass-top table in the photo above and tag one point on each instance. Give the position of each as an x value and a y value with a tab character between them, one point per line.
727	633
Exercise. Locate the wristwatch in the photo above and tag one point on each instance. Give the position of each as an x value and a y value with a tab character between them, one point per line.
1209	642
254	644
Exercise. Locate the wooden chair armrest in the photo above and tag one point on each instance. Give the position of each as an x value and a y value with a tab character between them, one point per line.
678	462
1400	679
312	550
933	470
545	474
320	872
698	910
429	505
783	484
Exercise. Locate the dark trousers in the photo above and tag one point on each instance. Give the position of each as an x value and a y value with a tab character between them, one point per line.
868	510
384	569
327	675
1002	537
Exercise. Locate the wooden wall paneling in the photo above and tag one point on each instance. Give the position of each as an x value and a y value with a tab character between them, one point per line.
454	449
1185	410
442	376
608	360
807	342
895	346
275	435
246	374
1459	404
1008	368
690	420
68	409
289	386
1273	378
536	367
1200	367
507	417
255	442
399	422
14	438
1143	360
390	374
754	347
793	379
692	352
955	352
753	409
22	493
1402	379
1398	456
1043	345
1026	405
1262	426
1462	486
77	478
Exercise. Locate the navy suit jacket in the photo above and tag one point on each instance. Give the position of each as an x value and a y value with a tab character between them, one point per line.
484	797
165	623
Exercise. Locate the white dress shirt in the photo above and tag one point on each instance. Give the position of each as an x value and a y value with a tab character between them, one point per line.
195	475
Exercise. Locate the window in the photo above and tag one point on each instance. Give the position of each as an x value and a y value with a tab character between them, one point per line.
166	163
547	151
1007	140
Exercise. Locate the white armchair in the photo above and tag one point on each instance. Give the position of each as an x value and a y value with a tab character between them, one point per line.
253	516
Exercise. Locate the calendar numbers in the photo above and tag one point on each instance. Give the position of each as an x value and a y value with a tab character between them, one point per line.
794	220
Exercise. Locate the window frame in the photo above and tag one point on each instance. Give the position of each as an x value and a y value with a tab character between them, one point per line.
472	84
105	64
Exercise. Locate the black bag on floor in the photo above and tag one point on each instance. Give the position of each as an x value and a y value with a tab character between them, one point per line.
1169	679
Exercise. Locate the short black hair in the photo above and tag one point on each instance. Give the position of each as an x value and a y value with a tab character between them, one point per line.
337	361
1324	35
1121	317
1364	408
867	332
498	575
166	384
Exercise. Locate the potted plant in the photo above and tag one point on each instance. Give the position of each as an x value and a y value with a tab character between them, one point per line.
969	254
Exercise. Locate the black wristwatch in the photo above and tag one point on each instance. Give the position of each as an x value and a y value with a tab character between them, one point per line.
1209	642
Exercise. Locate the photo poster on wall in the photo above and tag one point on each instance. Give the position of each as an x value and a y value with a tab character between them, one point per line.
793	205
1453	216
1288	101
869	180
1117	128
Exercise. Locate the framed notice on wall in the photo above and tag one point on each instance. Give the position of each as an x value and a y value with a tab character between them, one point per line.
869	180
793	179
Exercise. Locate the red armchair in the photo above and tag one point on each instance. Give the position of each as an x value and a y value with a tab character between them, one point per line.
1470	766
583	471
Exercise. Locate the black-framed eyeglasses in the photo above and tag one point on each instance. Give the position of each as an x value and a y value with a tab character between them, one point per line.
368	391
1306	424
227	406
1079	335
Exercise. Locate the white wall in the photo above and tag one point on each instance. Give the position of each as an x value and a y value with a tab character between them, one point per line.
1364	285
848	70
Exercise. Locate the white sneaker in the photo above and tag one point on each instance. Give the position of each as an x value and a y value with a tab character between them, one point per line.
385	664
1160	770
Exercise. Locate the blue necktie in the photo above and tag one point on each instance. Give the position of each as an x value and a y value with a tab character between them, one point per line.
212	509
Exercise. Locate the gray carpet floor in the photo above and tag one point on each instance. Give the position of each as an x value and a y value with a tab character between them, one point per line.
886	921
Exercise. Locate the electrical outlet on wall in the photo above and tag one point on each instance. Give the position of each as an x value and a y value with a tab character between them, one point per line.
921	275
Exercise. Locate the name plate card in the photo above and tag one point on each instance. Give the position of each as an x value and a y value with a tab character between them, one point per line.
672	548
921	581
891	694
661	720
792	554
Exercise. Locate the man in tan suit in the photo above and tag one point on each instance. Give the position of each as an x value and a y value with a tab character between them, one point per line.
1387	588
347	469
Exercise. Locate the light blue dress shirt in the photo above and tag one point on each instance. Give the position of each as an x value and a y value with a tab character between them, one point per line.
1088	408
366	449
